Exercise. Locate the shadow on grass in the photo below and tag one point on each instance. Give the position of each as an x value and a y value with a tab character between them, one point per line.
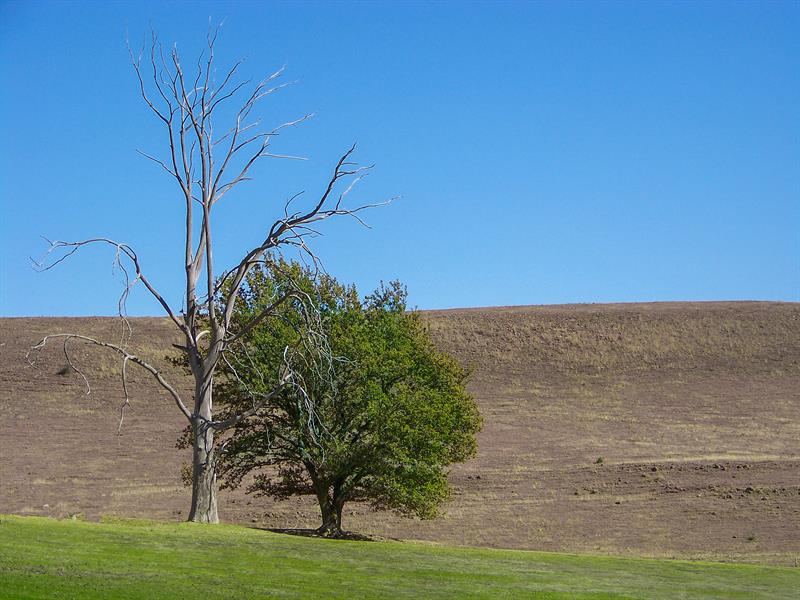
314	533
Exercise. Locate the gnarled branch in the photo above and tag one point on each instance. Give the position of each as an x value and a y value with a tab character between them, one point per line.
36	349
72	247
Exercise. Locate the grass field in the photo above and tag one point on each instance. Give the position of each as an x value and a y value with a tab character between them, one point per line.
46	558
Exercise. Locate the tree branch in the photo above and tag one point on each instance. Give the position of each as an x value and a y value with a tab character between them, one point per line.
72	247
127	356
263	314
237	418
290	230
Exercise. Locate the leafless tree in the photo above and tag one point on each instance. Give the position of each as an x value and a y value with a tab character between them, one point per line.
206	166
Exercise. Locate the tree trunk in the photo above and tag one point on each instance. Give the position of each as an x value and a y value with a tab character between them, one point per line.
330	507
204	468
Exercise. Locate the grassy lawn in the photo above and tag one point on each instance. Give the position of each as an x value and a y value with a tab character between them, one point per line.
45	558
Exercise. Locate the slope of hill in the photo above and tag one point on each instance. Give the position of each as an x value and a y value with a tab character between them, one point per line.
45	558
665	429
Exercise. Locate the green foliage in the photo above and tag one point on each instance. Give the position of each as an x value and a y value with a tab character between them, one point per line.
374	411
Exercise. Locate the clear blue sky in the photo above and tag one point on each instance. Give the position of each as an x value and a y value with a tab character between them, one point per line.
545	152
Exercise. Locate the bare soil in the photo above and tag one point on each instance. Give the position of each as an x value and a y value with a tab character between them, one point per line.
664	429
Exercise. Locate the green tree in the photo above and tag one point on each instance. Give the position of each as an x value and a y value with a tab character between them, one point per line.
373	411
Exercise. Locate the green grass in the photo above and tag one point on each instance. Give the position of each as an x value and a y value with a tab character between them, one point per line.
44	558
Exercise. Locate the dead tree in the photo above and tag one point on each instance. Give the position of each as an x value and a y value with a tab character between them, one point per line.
206	166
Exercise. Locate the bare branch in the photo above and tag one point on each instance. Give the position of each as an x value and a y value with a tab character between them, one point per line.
72	247
136	62
74	368
127	356
234	148
127	401
162	164
292	229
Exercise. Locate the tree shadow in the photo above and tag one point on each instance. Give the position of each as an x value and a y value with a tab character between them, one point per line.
345	535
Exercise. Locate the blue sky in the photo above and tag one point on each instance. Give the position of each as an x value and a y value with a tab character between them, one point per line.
544	152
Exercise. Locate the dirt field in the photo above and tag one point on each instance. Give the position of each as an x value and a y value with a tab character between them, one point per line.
667	429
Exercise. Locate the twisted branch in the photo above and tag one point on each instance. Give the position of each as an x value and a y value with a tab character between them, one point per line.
33	353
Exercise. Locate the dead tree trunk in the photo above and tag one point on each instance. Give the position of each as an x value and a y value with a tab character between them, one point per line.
204	467
204	475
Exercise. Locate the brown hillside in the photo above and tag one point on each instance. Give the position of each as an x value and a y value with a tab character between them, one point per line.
694	409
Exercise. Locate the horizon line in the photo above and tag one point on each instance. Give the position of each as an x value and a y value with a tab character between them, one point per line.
454	308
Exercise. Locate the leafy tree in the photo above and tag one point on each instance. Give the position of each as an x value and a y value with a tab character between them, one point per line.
376	413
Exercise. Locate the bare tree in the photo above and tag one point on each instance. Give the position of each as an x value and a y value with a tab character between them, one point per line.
206	166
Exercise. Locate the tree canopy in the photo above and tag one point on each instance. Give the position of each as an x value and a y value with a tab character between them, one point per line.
373	411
